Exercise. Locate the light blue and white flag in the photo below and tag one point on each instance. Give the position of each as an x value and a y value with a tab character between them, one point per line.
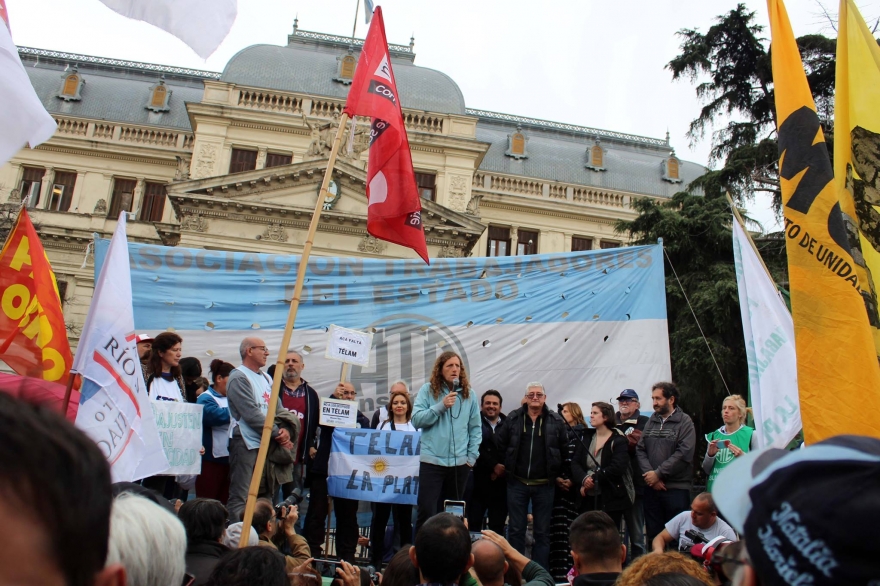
585	324
376	466
769	336
114	409
368	11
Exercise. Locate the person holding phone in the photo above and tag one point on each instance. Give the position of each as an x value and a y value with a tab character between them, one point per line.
731	440
447	412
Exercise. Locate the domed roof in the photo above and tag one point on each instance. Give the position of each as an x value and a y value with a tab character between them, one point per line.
310	70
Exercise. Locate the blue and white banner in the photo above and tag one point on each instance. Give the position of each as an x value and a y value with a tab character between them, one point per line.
585	324
377	466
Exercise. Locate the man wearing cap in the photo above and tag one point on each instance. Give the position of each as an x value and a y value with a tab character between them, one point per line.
631	423
144	345
702	518
666	459
806	517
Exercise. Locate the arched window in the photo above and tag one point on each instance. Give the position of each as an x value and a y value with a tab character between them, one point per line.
71	84
517	142
159	96
672	167
347	69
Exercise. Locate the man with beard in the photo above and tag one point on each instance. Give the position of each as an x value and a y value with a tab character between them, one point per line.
489	484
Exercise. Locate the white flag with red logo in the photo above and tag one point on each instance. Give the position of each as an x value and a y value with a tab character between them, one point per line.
114	409
23	119
394	211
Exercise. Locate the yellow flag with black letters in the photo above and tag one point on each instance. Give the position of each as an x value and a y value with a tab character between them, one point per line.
838	371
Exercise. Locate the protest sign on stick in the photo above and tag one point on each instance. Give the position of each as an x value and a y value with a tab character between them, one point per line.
338	412
180	428
349	347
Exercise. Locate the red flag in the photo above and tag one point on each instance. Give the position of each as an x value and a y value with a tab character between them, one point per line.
33	338
4	15
394	211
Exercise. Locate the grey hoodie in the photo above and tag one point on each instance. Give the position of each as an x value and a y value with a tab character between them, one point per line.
667	448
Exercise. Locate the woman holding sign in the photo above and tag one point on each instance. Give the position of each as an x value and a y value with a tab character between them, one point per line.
399	415
447	413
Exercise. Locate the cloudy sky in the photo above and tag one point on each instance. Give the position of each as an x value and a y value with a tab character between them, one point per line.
598	64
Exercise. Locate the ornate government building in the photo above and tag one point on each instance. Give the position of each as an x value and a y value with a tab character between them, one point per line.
234	161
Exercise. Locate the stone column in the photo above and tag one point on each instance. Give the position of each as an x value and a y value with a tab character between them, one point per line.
261	157
566	245
46	188
514	239
77	192
138	196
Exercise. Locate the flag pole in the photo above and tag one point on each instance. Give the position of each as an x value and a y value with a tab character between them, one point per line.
748	236
288	330
71	377
357	5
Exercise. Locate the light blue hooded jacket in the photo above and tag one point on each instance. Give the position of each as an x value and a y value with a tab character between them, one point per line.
450	437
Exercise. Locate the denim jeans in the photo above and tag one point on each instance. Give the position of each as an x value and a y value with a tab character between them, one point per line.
661	506
635	526
541	497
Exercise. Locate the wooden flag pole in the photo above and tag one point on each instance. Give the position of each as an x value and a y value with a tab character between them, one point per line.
71	377
288	330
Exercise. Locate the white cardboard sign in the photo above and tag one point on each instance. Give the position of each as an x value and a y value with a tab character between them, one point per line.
351	346
338	413
180	428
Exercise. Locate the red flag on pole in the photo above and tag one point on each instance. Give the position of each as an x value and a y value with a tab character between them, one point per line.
394	211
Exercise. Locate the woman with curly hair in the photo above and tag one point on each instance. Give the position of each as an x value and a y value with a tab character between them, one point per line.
670	562
447	412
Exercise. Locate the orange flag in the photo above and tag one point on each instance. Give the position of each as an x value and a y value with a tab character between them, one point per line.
33	338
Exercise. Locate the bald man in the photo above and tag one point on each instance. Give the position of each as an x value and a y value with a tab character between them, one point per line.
493	555
248	391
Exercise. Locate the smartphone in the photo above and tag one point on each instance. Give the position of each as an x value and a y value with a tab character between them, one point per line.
726	443
454	507
476	536
327	568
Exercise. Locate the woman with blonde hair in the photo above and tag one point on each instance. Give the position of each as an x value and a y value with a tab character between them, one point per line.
731	440
448	413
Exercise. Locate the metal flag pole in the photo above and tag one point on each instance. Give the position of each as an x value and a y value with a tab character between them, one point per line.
288	330
357	5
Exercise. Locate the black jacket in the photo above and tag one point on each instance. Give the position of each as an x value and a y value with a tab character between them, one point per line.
613	468
490	455
201	557
632	429
507	439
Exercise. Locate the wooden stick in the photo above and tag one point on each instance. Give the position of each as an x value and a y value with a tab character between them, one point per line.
71	378
288	330
344	374
749	236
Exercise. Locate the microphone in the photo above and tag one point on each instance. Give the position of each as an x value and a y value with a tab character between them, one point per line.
455	383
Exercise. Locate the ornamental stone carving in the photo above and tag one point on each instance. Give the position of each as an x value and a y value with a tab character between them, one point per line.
275	232
193	222
14	196
458	193
205	160
182	172
100	207
473	206
451	252
372	245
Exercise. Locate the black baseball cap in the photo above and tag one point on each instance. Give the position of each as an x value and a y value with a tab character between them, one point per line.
809	516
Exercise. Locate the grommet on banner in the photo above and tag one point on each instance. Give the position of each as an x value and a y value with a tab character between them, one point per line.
486	343
564	314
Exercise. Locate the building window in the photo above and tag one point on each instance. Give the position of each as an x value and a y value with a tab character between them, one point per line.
62	291
427	184
31	183
580	243
122	198
159	96
62	191
526	242
671	168
345	70
499	241
516	144
277	160
153	205
71	86
242	160
604	244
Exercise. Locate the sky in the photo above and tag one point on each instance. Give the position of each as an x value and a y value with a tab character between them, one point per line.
585	62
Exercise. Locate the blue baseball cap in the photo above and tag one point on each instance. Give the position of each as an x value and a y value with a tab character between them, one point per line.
628	394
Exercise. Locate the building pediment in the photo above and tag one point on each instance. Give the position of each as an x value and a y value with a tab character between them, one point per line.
283	198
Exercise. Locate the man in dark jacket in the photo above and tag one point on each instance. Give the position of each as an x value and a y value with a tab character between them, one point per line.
345	509
532	441
631	423
489	487
299	398
205	524
666	459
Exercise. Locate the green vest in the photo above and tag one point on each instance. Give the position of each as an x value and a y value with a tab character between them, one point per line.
741	438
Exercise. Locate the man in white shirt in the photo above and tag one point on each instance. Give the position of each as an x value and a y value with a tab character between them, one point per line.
702	518
248	391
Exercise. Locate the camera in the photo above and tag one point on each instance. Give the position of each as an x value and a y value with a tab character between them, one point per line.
695	536
294	499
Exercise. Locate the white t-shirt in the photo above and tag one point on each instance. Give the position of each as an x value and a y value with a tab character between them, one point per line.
682	523
164	390
408	426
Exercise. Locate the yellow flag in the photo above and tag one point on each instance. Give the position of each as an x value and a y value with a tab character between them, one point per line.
857	149
838	371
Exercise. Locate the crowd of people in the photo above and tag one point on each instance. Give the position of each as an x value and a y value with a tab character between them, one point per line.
551	496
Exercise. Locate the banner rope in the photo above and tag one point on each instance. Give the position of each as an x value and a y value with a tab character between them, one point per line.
718	368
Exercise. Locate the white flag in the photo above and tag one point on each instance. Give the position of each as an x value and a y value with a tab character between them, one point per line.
201	24
23	119
769	335
368	11
114	409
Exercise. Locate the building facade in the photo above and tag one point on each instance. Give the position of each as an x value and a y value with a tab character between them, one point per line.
234	161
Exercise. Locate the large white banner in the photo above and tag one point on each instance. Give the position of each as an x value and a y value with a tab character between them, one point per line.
585	324
114	409
769	335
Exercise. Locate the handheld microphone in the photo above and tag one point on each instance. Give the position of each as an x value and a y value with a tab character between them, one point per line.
455	383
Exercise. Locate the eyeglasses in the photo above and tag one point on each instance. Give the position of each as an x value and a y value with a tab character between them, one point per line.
534	395
261	348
